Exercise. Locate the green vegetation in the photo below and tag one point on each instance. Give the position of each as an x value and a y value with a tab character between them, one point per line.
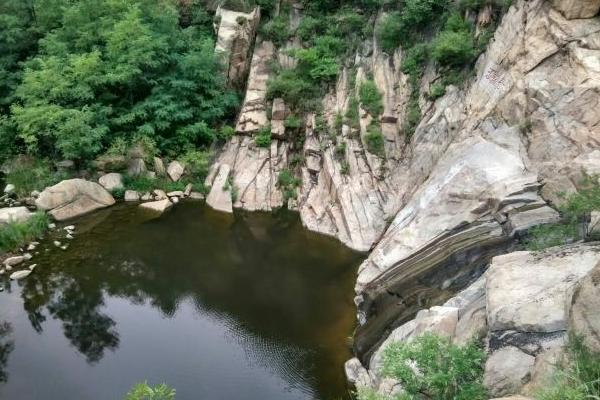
76	76
263	137
454	46
143	391
370	98
436	91
276	30
575	213
293	122
16	234
287	183
431	367
579	377
29	174
375	141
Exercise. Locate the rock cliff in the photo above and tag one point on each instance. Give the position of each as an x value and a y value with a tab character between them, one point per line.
486	163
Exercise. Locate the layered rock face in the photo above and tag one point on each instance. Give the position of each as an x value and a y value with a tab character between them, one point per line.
479	158
523	321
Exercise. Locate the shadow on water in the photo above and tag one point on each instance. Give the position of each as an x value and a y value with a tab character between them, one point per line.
251	307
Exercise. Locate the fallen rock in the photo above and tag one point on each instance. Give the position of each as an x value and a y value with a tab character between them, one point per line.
219	197
111	181
73	197
176	193
507	371
188	190
131	195
146	197
20	274
196	196
157	206
585	318
175	170
175	200
12	261
159	194
14	214
10	188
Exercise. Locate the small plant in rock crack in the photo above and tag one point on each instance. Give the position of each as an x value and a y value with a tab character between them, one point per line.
288	183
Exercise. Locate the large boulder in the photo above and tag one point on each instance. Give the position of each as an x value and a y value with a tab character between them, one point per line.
585	310
175	170
14	214
577	9
111	181
507	371
219	197
136	167
514	301
72	198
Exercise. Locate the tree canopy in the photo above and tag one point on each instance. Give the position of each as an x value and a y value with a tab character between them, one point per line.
78	75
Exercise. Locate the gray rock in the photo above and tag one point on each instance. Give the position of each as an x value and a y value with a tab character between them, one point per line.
12	261
577	9
279	110
136	167
72	198
159	166
157	206
516	301
111	181
9	189
159	194
65	164
584	319
14	214
20	274
35	194
147	197
175	200
196	196
507	371
175	170
188	190
177	193
131	195
219	197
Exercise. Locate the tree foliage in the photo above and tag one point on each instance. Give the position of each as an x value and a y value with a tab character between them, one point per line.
112	69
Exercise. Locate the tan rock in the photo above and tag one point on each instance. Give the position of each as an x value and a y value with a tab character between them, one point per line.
507	370
14	214
175	170
574	9
159	206
584	319
72	198
219	197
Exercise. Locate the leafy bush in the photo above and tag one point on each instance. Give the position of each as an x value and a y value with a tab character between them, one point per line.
226	132
375	141
434	367
454	46
294	89
413	117
287	183
263	137
276	30
404	27
543	236
197	163
340	151
370	97
112	69
143	391
16	234
293	122
436	90
414	60
352	112
579	377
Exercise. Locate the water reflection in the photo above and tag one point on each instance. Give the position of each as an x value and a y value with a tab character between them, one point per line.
6	346
268	288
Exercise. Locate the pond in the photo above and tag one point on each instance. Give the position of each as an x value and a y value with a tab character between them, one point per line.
250	306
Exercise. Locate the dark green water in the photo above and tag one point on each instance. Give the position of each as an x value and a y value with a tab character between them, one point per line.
219	307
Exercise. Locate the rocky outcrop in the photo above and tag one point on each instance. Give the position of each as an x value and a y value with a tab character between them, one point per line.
235	36
72	198
158	206
175	170
14	214
524	322
220	196
584	313
575	9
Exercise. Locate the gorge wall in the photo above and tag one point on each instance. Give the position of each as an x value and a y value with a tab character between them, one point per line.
486	162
